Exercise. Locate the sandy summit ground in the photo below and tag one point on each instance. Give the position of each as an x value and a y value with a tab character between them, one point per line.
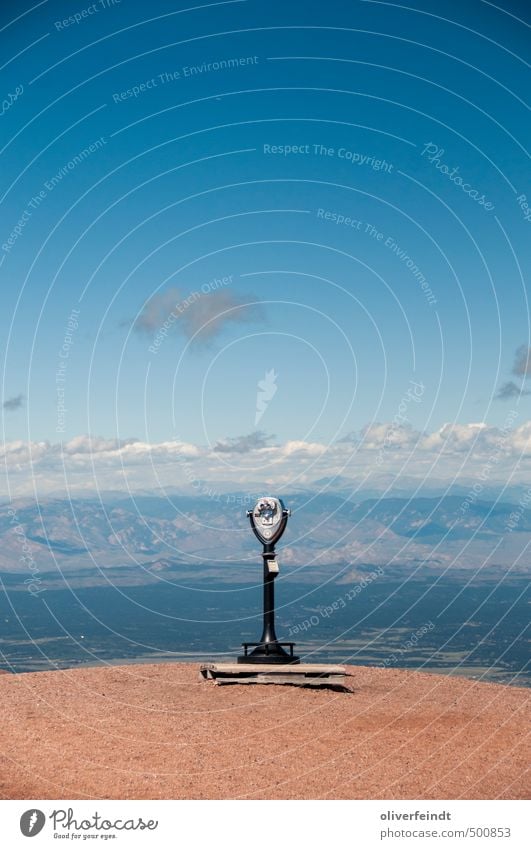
157	731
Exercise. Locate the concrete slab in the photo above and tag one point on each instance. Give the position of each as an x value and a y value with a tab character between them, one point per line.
300	675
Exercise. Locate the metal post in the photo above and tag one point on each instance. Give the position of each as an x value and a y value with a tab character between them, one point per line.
269	649
268	635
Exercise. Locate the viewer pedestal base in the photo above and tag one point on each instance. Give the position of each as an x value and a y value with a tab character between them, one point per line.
299	674
272	652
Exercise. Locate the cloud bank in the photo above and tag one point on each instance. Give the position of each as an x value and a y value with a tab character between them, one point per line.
379	454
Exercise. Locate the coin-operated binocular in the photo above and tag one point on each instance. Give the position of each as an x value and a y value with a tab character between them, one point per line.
268	520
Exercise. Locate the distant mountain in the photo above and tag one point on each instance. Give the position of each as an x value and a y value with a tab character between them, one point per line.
411	487
117	537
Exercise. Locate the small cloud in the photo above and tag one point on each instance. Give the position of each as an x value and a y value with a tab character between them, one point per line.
243	444
510	390
298	448
351	436
377	435
157	310
522	361
452	437
198	315
14	403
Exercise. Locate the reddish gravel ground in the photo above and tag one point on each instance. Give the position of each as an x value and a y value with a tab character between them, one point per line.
158	732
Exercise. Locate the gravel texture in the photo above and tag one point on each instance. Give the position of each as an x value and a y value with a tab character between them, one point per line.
158	732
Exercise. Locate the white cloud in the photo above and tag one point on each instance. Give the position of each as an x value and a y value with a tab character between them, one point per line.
298	448
521	440
379	452
391	435
456	437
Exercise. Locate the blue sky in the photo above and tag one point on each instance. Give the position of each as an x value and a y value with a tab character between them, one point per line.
285	177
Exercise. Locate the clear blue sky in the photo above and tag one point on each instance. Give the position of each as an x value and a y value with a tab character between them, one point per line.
185	186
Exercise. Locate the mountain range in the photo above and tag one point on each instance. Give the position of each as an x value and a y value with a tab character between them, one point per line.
138	539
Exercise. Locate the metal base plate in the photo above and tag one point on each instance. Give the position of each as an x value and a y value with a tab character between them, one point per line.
268	659
268	652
